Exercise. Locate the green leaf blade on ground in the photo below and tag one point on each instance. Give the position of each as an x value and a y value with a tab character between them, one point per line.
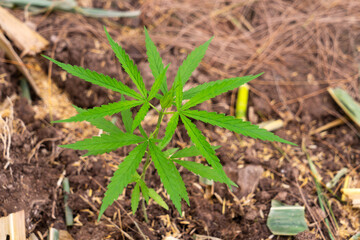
155	61
97	78
102	111
128	65
286	220
208	91
236	125
205	148
170	130
140	115
123	176
169	176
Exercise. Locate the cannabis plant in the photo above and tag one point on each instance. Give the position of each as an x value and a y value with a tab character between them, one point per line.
174	101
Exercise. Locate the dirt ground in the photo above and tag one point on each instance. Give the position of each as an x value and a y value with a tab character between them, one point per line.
302	47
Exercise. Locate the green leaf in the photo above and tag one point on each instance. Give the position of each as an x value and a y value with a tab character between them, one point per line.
158	199
178	91
201	170
205	148
105	141
140	115
126	116
97	78
101	123
155	60
142	131
286	220
102	111
170	151
216	88
235	125
170	130
157	84
144	189
123	176
128	65
135	198
189	152
167	100
192	62
169	176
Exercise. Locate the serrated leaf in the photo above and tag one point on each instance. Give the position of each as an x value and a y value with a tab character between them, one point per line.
157	198
189	152
170	151
167	99
126	116
102	111
135	198
142	131
128	65
169	176
109	142
170	130
157	84
97	78
201	170
234	125
216	88
191	62
122	176
205	148
155	61
144	190
140	115
178	90
101	123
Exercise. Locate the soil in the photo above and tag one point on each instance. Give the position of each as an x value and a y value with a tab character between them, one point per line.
264	171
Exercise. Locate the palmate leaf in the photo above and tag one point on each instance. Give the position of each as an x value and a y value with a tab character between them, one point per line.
102	111
128	65
170	130
208	91
235	125
155	61
201	170
151	193
140	115
97	78
157	84
169	176
191	62
101	123
205	148
123	176
105	141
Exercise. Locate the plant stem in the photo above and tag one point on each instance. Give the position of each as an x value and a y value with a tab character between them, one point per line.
148	161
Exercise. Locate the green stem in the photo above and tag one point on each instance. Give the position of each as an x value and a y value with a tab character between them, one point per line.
148	161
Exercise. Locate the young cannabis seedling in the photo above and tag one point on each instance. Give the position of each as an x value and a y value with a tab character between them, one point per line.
150	146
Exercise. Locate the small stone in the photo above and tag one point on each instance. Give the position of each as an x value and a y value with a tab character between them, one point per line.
248	179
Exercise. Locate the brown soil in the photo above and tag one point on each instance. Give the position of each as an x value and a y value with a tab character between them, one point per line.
275	171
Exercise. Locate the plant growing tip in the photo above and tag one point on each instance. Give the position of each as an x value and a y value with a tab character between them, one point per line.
149	146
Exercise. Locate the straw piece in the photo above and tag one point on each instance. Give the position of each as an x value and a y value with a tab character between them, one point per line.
13	226
26	39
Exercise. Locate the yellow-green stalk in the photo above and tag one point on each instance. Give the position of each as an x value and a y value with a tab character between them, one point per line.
242	102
